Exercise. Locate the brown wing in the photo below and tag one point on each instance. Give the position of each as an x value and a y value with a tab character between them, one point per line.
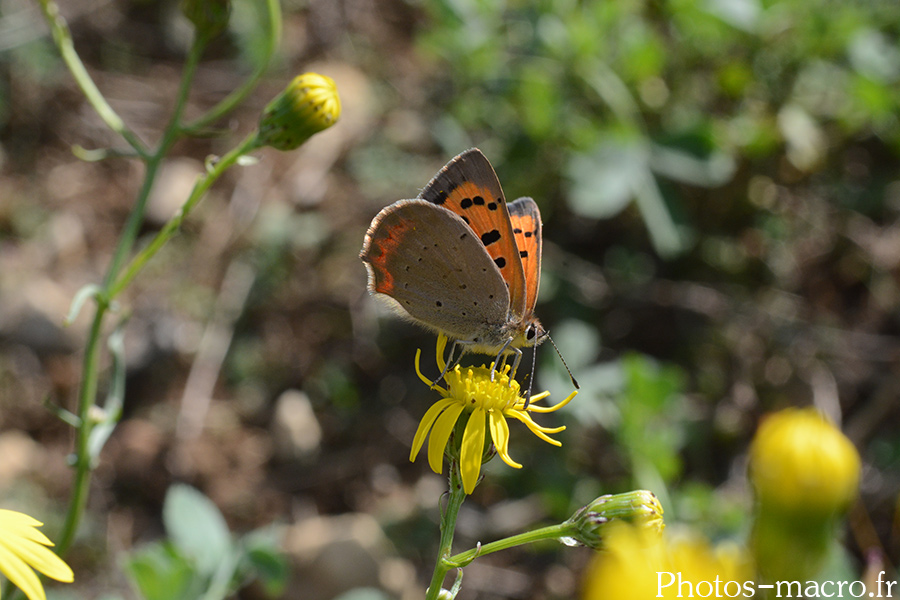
526	222
428	260
469	187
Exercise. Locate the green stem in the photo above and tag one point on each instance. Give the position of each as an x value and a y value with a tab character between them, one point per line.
448	527
153	162
552	532
83	461
63	38
273	40
86	394
171	227
117	278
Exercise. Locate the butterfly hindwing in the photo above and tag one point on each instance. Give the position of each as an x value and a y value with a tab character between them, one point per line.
469	187
526	223
428	260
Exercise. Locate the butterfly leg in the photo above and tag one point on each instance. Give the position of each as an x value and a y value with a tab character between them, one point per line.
450	362
500	361
516	361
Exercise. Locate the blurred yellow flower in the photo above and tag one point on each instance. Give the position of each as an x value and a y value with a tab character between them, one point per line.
489	404
805	473
23	548
308	105
640	564
801	463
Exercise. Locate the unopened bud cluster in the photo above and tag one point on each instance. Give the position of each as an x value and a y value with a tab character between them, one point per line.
308	105
639	508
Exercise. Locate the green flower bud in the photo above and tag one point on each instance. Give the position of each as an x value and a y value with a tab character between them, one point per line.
307	106
210	17
592	523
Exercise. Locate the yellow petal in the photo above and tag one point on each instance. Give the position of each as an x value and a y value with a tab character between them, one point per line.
535	428
441	346
424	379
440	433
548	409
15	524
425	424
44	560
19	573
17	521
472	450
500	436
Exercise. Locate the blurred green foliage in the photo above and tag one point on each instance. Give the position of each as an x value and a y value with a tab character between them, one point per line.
200	559
616	95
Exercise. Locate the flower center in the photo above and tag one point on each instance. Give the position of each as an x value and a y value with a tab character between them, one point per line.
473	388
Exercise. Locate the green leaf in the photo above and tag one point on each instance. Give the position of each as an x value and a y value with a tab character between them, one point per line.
112	410
196	527
262	550
160	573
272	569
604	182
84	294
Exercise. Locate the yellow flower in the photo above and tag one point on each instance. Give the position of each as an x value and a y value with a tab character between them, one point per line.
23	548
308	105
640	564
805	473
801	463
489	403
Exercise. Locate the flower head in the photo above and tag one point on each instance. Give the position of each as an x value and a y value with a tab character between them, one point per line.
800	463
640	564
23	548
488	405
308	105
594	521
805	473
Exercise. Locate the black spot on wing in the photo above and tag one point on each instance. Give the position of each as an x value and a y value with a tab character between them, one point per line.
500	262
490	237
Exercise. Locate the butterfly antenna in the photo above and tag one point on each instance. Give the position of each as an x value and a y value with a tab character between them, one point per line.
569	371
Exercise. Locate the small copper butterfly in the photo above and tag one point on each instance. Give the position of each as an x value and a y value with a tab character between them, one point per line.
462	261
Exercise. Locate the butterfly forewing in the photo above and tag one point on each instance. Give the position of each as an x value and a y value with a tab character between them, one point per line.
526	223
429	261
469	187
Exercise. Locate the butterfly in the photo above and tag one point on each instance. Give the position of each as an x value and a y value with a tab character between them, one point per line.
462	261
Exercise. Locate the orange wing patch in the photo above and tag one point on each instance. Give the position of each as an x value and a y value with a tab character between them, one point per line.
526	222
469	187
381	243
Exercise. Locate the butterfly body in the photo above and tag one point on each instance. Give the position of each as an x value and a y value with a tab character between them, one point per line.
460	260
